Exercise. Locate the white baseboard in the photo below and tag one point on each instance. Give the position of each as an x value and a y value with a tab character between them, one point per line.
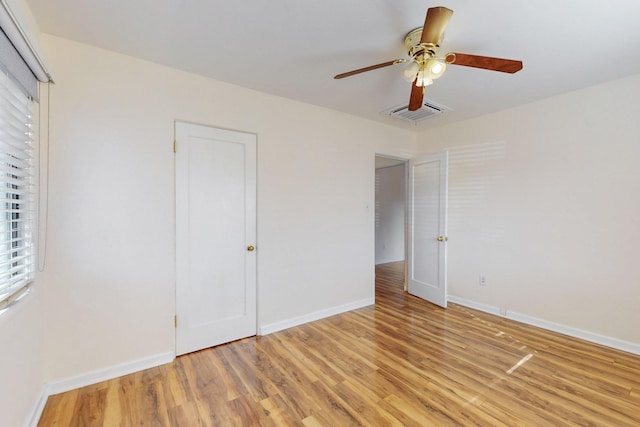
387	260
475	305
289	323
627	346
614	343
82	380
38	407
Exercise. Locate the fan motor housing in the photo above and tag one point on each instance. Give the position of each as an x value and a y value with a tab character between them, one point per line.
415	48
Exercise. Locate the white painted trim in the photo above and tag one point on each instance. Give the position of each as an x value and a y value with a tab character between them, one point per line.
388	260
289	323
475	305
38	407
614	343
92	377
627	346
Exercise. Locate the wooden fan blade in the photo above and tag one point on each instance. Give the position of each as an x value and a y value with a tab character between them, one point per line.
434	24
484	62
369	68
417	94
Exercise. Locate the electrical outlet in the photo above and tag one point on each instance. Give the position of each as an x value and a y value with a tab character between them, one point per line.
482	280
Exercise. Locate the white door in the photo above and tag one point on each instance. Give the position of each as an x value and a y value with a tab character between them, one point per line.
215	236
427	251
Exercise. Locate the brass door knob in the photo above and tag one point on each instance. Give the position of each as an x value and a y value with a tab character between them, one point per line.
442	239
251	248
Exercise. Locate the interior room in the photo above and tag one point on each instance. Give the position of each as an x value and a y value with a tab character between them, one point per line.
538	225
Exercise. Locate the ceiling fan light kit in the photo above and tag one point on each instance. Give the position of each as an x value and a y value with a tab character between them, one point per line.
424	72
425	66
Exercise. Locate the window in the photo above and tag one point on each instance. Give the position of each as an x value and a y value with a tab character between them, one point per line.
21	67
16	193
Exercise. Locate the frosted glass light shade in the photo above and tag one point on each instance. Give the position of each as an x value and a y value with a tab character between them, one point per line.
436	68
423	78
409	73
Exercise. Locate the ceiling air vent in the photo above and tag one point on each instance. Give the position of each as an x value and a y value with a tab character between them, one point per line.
428	109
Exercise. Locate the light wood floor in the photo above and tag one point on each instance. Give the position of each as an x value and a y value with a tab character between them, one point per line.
403	362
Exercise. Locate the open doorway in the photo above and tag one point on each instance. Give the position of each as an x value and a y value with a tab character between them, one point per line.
411	214
390	213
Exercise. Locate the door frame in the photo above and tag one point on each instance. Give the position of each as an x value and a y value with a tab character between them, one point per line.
407	189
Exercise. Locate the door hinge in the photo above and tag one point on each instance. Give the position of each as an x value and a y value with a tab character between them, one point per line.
174	146
175	321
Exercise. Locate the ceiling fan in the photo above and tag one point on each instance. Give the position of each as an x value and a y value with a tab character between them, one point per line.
423	45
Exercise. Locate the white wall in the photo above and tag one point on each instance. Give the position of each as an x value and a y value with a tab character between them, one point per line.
21	359
390	214
110	278
545	201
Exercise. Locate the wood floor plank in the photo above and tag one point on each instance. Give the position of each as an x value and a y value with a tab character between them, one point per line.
365	404
278	410
412	412
89	409
402	362
59	407
186	414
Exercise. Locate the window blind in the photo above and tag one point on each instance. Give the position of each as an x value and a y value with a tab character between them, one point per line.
16	192
21	67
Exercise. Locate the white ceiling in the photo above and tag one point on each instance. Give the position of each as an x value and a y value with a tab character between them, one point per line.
293	48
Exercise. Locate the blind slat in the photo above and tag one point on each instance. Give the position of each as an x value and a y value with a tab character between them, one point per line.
19	284
8	253
14	277
6	301
10	267
13	242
